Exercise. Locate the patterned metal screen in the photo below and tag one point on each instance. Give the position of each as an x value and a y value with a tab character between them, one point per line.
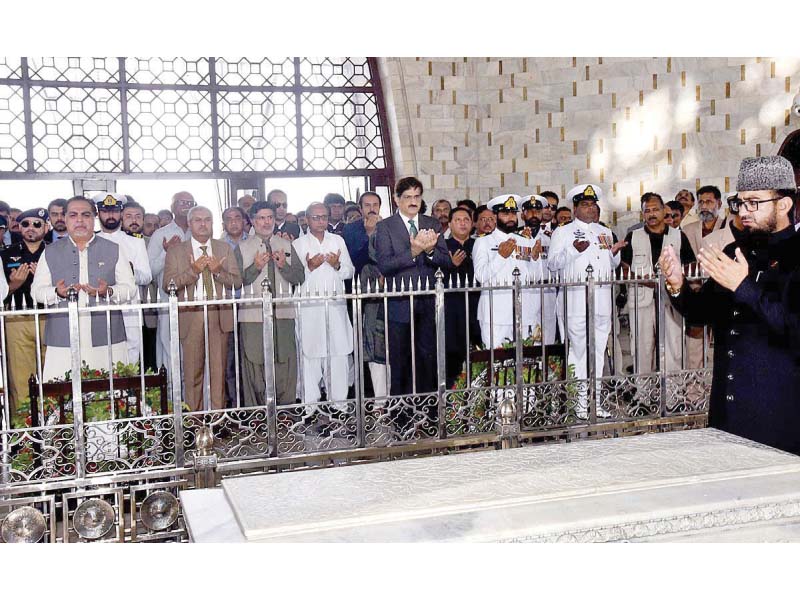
219	116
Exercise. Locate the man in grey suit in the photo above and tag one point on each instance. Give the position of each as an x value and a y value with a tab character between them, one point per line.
261	256
410	249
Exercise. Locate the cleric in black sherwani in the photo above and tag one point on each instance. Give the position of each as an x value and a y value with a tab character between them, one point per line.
752	300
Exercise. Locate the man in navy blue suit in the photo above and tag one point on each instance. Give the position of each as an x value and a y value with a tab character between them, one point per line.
410	249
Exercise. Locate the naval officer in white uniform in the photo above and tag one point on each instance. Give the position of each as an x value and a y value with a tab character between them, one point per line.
573	247
533	228
495	257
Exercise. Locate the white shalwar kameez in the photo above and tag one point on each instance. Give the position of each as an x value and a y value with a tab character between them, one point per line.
325	337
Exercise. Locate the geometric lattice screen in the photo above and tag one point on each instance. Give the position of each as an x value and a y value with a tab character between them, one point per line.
179	115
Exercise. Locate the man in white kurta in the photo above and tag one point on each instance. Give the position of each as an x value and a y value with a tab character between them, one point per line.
109	208
80	225
495	257
325	332
171	234
573	247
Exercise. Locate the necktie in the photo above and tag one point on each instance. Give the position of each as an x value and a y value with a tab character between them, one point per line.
412	228
208	286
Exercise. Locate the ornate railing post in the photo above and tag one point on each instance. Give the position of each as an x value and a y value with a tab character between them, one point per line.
508	424
269	365
77	395
441	370
175	373
519	338
661	307
591	371
205	461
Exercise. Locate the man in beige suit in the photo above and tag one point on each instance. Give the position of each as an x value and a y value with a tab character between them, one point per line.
200	267
711	218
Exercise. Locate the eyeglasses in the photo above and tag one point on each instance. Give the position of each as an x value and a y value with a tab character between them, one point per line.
676	215
35	224
318	217
279	204
750	205
186	202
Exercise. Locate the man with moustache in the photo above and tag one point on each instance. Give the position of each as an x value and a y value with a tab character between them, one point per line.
133	219
150	224
202	268
709	219
325	330
640	256
280	201
533	211
686	199
574	247
441	212
109	208
335	203
709	208
134	222
100	271
19	266
496	256
358	237
409	249
563	216
549	209
56	211
168	236
752	301
460	245
674	215
485	221
267	256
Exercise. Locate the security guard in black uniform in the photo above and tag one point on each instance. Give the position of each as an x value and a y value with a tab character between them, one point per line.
752	300
19	266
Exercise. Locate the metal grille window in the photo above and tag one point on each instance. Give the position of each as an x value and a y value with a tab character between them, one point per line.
209	117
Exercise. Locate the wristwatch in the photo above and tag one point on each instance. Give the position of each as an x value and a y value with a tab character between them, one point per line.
672	291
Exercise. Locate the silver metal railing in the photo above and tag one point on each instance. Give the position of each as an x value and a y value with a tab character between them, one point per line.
120	449
533	376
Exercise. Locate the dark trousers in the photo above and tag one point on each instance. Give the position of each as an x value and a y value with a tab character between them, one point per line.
149	337
454	365
424	356
424	361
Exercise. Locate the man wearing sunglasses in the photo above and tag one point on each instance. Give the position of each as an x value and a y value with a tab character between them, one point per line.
674	214
752	301
19	266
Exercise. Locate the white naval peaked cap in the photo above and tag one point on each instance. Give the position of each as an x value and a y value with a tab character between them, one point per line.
585	191
504	202
532	199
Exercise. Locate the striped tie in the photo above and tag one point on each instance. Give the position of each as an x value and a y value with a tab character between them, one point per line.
413	228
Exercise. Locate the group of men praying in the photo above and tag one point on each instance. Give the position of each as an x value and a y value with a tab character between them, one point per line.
311	261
